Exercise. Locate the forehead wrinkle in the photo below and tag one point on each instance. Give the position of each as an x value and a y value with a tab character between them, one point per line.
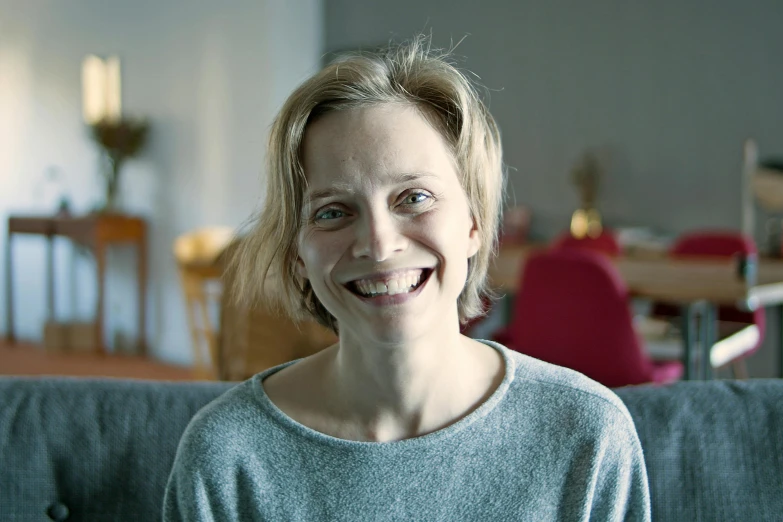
334	189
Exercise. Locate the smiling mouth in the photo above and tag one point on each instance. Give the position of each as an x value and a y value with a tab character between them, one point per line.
400	284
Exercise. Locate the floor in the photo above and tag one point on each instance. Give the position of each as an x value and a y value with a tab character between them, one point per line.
25	359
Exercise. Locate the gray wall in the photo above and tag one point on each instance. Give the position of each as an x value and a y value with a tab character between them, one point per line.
668	90
208	75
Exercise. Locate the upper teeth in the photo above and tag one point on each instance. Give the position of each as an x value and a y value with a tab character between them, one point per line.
401	283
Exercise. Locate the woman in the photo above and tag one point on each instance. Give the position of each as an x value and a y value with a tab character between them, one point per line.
383	199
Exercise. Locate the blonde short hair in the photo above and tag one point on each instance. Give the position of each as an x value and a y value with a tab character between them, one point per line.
264	266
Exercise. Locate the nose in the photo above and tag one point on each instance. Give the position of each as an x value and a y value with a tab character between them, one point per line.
378	236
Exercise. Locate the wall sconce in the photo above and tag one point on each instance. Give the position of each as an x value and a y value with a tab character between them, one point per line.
101	89
118	138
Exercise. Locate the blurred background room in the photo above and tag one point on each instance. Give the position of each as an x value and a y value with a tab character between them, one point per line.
644	145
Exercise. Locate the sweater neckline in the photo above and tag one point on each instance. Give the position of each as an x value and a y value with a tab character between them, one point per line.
449	431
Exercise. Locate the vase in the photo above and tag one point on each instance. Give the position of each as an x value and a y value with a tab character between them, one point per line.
111	174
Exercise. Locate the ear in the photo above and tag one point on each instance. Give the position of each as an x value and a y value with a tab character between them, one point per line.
300	268
474	241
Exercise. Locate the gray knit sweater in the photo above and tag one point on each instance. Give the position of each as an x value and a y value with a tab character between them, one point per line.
549	444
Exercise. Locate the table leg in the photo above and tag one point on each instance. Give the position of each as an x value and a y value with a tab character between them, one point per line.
688	337
708	337
508	309
142	295
779	310
50	278
9	292
100	265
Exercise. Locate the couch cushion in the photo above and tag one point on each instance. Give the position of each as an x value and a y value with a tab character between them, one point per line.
714	450
91	449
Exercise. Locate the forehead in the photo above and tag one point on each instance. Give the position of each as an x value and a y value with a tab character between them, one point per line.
374	145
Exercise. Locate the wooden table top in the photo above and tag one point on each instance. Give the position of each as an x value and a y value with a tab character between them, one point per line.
664	278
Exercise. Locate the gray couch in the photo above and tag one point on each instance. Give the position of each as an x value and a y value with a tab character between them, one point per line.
102	449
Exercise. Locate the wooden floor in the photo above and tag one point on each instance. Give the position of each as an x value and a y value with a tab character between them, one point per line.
31	360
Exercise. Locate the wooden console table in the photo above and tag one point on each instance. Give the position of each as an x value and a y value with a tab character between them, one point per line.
95	231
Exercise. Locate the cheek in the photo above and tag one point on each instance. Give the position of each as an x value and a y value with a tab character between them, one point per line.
320	251
450	230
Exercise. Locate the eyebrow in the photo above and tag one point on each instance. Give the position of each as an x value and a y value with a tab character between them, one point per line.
343	188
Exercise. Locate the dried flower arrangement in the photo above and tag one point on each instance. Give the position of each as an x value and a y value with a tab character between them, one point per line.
119	140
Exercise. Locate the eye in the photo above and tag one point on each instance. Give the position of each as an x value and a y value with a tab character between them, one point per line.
416	198
328	214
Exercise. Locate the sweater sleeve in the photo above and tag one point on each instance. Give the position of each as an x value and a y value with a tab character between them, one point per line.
621	488
198	488
186	498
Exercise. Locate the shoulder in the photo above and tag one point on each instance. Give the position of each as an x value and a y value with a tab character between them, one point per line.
564	396
222	427
221	442
589	428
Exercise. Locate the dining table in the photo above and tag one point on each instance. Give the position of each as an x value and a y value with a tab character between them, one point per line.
697	284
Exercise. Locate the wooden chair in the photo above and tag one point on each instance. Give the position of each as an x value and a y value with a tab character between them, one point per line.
255	338
200	269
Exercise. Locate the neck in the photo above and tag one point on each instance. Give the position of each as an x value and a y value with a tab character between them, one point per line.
402	390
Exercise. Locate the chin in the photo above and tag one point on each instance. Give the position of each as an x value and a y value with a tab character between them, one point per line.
397	332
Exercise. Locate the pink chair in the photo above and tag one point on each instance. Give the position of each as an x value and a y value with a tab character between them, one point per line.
572	310
605	243
723	244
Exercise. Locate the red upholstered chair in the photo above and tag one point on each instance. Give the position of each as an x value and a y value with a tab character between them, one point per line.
605	243
572	310
737	338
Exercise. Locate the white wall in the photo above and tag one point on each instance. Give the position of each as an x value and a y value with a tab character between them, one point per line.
208	75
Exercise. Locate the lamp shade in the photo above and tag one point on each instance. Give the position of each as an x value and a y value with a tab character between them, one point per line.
101	89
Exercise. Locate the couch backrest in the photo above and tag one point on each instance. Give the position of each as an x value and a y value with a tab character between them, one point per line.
103	449
91	449
714	450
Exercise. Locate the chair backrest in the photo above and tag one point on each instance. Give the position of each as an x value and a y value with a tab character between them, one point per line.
202	246
253	339
722	243
200	269
572	310
256	336
605	243
713	243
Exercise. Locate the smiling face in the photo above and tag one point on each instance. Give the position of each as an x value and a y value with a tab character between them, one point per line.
386	232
